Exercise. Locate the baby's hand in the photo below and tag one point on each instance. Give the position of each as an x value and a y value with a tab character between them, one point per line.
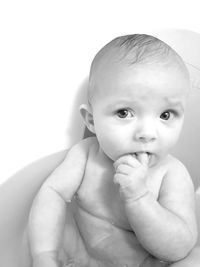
131	175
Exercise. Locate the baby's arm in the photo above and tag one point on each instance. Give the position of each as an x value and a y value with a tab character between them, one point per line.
47	216
165	227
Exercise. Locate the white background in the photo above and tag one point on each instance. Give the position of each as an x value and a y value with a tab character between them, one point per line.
46	48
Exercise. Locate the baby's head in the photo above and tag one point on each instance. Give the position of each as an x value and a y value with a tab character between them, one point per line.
138	87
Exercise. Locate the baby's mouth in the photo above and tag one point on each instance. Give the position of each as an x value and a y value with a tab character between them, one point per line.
148	154
143	157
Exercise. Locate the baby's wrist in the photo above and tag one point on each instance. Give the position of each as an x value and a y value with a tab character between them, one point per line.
134	194
137	196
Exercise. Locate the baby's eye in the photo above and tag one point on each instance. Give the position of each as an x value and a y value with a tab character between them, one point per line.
124	113
166	115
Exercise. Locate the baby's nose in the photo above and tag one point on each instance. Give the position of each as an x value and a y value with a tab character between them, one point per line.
146	132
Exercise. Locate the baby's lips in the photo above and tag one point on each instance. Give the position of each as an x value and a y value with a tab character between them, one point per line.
143	157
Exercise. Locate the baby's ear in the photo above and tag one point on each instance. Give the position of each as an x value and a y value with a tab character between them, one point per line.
86	113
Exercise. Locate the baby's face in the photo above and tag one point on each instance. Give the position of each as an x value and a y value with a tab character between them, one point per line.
139	109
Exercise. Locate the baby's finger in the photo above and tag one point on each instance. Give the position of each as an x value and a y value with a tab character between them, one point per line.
124	169
143	158
119	178
130	160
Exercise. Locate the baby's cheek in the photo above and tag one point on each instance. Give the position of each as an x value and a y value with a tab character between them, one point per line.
110	148
170	138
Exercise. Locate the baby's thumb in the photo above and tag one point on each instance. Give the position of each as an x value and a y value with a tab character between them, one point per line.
143	158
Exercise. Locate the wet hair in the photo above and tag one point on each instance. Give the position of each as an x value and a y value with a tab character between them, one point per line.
136	49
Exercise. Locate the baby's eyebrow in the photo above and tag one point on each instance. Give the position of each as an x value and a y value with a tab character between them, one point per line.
120	103
125	101
174	103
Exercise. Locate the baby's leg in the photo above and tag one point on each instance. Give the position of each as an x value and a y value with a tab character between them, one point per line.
192	260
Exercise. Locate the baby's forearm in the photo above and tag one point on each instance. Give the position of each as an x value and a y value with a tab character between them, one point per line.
162	233
46	221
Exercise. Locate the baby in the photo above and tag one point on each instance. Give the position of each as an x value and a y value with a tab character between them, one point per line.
119	198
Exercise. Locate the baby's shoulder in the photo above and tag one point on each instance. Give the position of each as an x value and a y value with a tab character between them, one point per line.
174	164
177	181
176	169
90	143
85	146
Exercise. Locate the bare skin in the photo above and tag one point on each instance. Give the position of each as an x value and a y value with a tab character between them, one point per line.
132	203
99	225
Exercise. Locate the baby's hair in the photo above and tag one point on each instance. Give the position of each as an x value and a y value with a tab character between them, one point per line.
136	49
142	48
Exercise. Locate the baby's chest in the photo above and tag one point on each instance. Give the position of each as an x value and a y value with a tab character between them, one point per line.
100	196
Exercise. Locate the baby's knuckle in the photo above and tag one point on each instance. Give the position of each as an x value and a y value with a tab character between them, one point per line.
120	168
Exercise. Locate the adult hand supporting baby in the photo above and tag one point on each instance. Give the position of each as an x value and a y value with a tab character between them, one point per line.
131	175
